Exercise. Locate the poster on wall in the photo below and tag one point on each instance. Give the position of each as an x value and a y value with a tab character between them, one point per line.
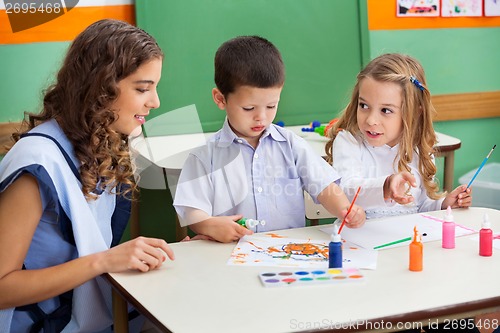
407	8
491	7
451	8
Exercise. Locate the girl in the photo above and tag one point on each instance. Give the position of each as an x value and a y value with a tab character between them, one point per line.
63	183
384	141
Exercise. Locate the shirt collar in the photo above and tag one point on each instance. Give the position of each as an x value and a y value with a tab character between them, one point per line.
381	148
227	136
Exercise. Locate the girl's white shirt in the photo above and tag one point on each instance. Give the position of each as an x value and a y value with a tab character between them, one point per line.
360	164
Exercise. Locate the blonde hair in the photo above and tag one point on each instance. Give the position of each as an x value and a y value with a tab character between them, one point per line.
418	136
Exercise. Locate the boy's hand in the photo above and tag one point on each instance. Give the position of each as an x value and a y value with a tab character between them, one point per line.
225	229
397	187
356	217
459	197
197	237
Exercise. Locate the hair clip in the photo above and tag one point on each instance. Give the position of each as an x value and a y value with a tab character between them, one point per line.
417	83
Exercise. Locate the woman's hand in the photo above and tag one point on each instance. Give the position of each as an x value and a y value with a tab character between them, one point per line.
142	253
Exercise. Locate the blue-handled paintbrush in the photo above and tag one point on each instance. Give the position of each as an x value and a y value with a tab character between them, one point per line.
481	166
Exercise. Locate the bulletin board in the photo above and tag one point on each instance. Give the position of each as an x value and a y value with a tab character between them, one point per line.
321	43
383	17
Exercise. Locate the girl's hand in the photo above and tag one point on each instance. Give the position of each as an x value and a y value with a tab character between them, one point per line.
459	197
356	217
142	253
397	187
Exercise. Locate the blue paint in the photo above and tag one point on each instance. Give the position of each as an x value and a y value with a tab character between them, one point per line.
335	250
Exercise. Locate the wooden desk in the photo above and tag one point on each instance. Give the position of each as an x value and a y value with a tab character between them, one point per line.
199	292
446	147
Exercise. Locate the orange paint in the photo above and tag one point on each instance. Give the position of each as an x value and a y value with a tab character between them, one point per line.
257	247
416	252
273	250
274	235
355	276
306	249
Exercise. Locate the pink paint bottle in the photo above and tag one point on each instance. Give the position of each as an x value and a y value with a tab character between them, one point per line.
486	238
448	230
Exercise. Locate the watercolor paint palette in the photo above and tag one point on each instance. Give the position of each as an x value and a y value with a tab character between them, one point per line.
311	277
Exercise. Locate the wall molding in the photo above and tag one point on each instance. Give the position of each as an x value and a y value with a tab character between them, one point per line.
467	105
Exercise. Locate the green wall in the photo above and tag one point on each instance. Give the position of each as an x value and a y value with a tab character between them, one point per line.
27	69
319	41
455	61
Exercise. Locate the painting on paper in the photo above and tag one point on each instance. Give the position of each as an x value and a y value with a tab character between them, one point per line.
492	7
417	8
269	250
461	8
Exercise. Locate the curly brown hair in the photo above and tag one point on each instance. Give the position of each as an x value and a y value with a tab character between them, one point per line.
418	135
102	55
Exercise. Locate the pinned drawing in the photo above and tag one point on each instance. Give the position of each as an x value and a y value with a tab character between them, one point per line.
269	250
417	8
491	7
451	8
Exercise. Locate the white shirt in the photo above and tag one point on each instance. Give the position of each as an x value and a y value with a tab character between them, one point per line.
360	164
228	177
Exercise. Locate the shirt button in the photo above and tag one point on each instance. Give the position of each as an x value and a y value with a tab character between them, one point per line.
259	189
255	155
239	141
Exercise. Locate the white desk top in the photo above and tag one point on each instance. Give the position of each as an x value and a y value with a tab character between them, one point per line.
170	152
198	292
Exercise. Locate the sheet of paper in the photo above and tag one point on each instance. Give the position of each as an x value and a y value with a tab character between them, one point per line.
274	250
385	230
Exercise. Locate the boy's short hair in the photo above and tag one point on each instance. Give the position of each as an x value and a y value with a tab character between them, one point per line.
248	61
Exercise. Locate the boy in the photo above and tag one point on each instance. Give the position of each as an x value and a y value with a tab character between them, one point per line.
251	167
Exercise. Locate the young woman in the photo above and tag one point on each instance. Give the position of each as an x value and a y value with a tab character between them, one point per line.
63	185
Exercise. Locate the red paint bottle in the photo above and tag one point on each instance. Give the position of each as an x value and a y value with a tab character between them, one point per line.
486	238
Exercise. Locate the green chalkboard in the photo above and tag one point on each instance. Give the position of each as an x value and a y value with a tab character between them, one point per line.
320	41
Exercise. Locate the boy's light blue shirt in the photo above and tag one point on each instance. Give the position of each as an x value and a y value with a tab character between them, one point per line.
229	177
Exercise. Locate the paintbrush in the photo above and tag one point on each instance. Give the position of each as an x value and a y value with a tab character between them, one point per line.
350	207
481	166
